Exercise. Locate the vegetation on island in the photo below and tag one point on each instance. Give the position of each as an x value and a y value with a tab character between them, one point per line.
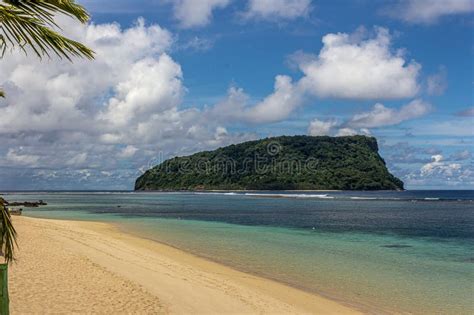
279	163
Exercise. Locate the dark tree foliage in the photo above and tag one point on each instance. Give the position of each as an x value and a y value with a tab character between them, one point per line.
280	163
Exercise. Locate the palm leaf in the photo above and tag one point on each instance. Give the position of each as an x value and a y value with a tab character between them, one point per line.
46	9
7	234
29	23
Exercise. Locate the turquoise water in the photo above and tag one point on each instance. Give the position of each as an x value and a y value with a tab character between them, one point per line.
408	252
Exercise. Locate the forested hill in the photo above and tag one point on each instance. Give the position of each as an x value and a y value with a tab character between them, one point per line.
279	163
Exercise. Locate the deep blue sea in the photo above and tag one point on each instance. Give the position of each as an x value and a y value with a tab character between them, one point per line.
408	252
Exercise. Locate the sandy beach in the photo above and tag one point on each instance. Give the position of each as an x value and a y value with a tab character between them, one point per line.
89	267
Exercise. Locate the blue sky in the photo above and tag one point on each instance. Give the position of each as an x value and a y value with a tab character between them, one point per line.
216	72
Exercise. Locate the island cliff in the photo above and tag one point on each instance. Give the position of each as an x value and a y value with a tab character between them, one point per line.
279	163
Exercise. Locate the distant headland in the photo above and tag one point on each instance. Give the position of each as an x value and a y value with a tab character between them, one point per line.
278	163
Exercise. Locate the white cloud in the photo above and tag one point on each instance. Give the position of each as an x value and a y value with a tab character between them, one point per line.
78	160
197	43
383	116
80	116
349	66
275	107
275	10
428	11
72	117
220	132
354	66
438	166
152	85
232	106
437	83
40	97
128	151
192	13
22	159
361	123
333	128
321	128
351	132
278	105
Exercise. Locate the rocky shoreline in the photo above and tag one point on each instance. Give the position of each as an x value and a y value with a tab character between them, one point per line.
32	204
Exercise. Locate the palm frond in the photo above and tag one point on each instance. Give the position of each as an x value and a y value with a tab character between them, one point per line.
22	29
7	234
30	23
45	9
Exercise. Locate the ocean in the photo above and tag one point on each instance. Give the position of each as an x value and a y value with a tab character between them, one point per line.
382	252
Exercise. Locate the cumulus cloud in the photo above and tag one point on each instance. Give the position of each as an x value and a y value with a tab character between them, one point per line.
344	131
192	13
358	66
80	116
231	107
383	116
319	127
275	107
439	172
152	85
58	95
276	10
349	66
428	11
73	121
437	165
361	123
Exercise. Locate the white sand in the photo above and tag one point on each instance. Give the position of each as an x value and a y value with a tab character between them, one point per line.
84	267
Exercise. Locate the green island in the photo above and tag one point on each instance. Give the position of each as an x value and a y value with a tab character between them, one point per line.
278	163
